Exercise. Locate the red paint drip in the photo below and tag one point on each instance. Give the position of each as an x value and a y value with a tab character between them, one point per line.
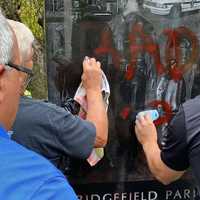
167	110
124	114
130	72
176	73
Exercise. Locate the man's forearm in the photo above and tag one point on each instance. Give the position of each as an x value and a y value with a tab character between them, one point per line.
98	116
158	168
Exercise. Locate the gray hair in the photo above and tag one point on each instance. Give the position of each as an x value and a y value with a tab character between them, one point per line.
6	40
24	37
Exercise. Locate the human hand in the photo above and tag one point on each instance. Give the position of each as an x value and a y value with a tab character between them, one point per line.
92	74
145	130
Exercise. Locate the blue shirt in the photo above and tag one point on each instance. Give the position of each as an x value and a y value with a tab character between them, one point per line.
24	175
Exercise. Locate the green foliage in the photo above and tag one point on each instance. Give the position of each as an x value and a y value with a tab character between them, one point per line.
38	86
31	12
10	9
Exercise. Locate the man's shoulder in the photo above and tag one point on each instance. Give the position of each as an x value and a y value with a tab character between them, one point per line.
192	106
29	103
192	124
14	152
26	170
57	188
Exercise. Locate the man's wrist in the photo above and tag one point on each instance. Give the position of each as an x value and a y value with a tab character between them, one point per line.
150	144
93	93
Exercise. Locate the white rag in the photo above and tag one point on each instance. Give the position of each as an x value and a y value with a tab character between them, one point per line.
80	96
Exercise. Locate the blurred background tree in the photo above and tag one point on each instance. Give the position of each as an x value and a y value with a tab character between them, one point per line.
31	13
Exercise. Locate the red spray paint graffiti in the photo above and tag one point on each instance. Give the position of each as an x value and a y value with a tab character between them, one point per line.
141	42
106	47
173	51
166	109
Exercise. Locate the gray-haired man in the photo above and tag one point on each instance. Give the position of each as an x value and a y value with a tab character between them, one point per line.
24	174
55	133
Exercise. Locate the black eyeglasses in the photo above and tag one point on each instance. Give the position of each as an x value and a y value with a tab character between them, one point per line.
26	70
21	68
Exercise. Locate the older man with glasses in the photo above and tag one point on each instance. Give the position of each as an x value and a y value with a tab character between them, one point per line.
53	131
24	174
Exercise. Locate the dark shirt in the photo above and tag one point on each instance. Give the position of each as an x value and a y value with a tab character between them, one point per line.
181	141
52	131
26	175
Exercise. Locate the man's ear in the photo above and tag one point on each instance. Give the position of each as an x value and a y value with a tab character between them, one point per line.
2	69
